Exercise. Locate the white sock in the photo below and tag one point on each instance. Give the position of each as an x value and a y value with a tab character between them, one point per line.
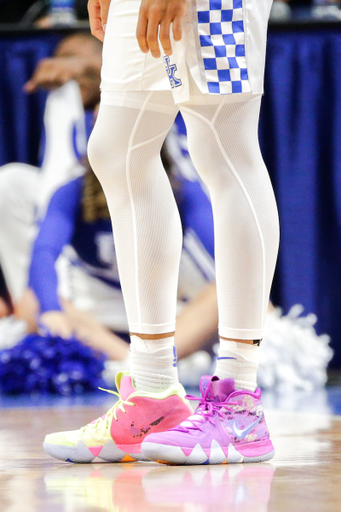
238	361
153	364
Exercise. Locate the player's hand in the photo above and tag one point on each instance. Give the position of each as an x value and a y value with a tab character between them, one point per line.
98	16
54	72
55	323
163	14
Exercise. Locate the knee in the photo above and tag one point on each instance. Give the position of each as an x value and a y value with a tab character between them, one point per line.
107	156
222	165
209	162
96	151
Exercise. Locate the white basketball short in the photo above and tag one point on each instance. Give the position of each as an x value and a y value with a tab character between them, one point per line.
222	50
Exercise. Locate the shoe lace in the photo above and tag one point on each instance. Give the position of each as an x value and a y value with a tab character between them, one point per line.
206	410
112	411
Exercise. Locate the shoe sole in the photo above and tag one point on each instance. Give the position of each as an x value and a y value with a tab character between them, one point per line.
166	454
83	454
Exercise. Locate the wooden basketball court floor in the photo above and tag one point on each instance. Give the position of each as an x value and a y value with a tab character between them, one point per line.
305	474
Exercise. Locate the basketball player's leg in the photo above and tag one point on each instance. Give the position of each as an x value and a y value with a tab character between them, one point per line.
229	424
223	143
124	151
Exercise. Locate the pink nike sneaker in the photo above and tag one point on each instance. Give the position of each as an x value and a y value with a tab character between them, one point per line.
117	436
228	426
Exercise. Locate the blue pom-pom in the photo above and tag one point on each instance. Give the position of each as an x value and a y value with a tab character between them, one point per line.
40	364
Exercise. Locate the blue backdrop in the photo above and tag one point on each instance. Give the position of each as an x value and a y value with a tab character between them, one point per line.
300	134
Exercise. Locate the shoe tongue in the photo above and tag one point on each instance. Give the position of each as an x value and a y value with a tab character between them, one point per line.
222	389
126	387
215	389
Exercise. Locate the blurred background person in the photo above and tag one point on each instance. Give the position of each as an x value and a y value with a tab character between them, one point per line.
73	76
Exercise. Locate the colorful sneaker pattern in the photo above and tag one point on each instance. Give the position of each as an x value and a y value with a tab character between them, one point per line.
117	436
228	426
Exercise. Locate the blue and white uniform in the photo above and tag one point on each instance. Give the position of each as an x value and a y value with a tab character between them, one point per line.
222	48
215	77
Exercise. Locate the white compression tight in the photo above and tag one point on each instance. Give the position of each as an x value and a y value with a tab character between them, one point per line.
223	143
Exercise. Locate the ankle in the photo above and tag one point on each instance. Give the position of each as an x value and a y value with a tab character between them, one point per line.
153	363
238	359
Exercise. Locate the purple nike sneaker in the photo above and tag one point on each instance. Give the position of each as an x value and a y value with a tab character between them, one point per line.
228	426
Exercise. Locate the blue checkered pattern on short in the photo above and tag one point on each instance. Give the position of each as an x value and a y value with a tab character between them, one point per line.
222	41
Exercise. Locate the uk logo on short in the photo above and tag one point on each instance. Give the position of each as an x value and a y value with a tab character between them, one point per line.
171	68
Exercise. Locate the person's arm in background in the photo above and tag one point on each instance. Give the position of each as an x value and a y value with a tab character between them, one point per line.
77	57
91	332
55	233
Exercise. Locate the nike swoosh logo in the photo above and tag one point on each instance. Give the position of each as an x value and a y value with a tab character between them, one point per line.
139	432
241	434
